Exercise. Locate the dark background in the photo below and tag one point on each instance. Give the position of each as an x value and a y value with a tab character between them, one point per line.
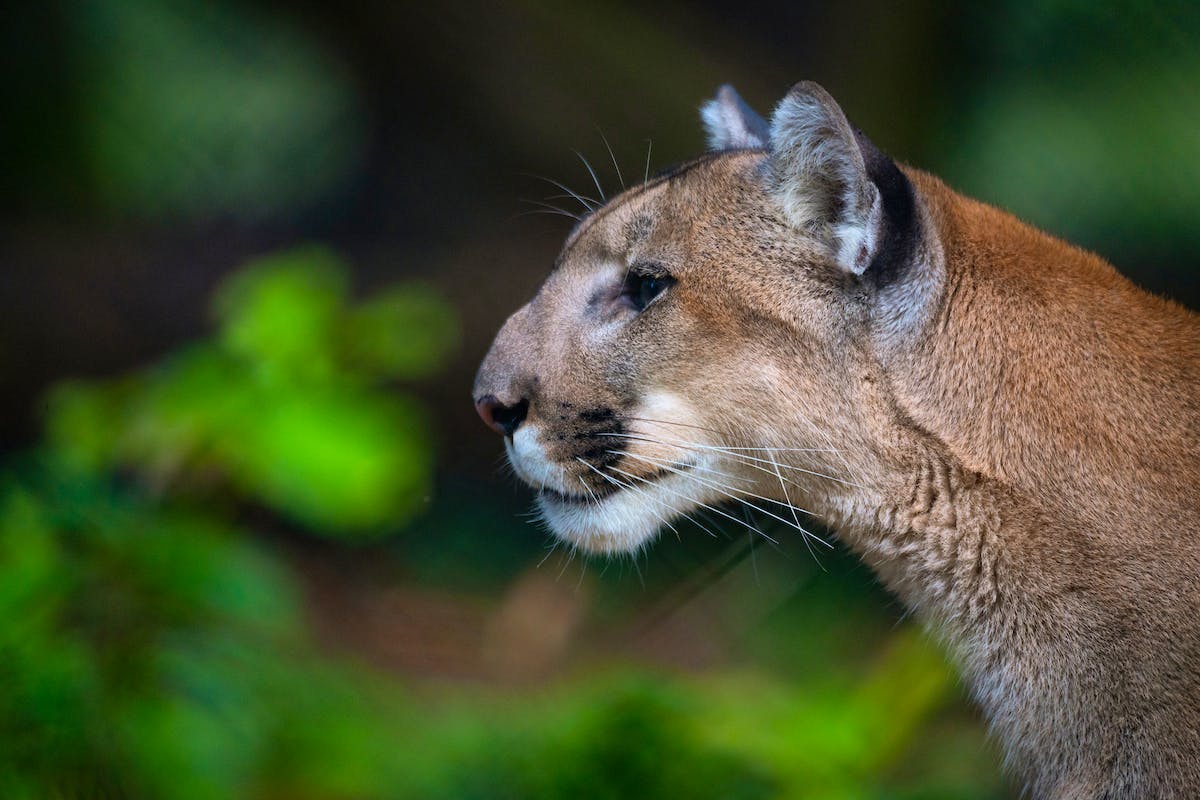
150	150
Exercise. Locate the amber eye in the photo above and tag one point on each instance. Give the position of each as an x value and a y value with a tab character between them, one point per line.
641	289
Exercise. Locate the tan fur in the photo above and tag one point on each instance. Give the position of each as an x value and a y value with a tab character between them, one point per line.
1017	427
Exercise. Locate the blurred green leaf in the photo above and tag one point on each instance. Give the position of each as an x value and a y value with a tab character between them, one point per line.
281	312
404	332
287	407
334	460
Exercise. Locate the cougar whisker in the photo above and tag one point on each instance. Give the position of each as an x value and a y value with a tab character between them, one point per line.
610	155
697	502
748	461
723	489
592	172
686	446
590	203
667	465
733	447
742	456
616	482
549	208
783	488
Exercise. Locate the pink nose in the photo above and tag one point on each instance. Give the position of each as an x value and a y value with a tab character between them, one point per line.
503	419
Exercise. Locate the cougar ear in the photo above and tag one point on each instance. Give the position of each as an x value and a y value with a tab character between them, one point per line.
731	124
819	176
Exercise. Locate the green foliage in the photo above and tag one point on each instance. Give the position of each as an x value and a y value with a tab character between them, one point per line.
836	739
401	332
149	649
624	736
282	312
117	620
733	734
155	653
284	406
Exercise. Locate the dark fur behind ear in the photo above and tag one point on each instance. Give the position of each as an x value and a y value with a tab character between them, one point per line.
901	229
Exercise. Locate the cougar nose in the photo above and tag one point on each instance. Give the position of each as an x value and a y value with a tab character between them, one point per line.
501	418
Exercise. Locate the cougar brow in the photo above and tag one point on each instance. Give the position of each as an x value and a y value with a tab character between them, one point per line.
666	177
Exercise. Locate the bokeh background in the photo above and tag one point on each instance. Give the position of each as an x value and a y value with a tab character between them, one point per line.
253	540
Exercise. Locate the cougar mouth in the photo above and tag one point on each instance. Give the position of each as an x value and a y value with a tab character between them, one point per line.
630	513
576	499
598	496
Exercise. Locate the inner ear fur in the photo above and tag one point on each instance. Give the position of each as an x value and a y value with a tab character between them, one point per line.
819	175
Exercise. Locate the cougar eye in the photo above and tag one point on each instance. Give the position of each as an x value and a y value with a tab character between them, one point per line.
642	288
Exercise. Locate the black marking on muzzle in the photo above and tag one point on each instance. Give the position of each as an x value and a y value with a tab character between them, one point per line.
598	415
